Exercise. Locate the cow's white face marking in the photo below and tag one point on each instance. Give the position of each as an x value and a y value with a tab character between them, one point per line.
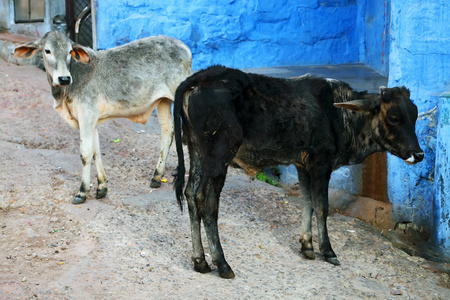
57	60
412	159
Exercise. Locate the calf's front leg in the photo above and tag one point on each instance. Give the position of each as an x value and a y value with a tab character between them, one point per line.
305	231
319	193
87	144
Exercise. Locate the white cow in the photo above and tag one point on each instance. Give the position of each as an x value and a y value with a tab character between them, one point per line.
128	81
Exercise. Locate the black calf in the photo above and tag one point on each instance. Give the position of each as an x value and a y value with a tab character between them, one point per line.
258	121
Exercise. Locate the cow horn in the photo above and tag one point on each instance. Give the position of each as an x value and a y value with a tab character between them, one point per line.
359	105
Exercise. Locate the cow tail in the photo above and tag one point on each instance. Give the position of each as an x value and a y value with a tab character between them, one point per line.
180	172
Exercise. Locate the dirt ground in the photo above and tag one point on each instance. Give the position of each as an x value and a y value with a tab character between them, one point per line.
135	243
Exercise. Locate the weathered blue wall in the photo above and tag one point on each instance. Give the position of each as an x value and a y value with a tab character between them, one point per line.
420	59
241	34
442	175
376	17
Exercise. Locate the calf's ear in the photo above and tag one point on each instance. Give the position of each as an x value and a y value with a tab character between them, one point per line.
360	105
26	50
384	92
79	54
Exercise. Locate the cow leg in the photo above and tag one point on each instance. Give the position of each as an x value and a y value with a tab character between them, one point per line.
101	174
203	201
218	135
319	193
305	231
227	140
210	215
198	254
166	123
87	144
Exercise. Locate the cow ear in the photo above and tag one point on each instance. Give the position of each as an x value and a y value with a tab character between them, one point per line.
26	50
79	54
384	93
360	105
387	94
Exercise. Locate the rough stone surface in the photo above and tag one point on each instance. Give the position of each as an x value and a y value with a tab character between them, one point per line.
442	175
420	59
240	34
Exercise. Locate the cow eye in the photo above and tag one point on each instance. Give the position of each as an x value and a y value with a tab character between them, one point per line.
393	120
47	51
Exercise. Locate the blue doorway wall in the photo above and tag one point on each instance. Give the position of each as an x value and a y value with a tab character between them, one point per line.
420	59
240	34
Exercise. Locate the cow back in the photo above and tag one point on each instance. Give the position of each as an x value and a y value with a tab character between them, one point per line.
133	71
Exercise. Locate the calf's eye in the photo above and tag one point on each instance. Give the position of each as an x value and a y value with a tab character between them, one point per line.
393	120
47	51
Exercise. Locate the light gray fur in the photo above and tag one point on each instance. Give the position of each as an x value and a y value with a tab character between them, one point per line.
128	81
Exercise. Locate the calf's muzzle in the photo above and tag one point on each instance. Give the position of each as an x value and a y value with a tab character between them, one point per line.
64	80
414	158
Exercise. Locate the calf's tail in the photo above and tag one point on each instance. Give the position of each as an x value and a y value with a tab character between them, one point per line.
180	172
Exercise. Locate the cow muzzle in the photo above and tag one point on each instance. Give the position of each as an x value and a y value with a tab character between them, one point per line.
415	158
64	80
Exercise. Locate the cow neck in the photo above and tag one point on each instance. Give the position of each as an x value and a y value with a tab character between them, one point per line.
360	140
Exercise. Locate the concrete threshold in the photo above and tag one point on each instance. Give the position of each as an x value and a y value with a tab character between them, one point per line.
10	41
16	39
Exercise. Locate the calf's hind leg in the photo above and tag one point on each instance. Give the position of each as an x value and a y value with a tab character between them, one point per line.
220	152
202	194
101	174
191	193
166	123
210	215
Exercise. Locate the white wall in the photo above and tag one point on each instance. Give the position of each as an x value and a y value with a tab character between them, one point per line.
37	29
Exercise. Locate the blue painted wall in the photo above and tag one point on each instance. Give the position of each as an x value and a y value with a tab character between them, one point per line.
375	36
420	59
241	34
442	176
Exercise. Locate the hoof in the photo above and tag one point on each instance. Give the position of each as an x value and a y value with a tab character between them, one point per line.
101	193
227	274
333	261
78	200
225	271
309	254
155	184
201	266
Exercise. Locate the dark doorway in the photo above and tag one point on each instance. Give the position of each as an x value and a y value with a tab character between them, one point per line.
79	21
374	176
